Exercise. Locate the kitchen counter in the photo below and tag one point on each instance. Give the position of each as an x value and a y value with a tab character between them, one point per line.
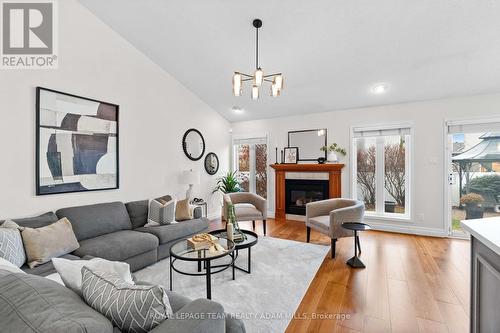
486	230
485	274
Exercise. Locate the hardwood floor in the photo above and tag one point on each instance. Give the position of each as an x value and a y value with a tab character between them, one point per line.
410	284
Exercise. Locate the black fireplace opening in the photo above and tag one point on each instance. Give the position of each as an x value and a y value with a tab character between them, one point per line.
299	192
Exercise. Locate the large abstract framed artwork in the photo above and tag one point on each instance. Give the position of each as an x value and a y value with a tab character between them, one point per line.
77	143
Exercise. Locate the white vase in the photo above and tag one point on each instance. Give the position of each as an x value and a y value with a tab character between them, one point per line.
332	157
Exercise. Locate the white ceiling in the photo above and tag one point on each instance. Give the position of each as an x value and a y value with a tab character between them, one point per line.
330	51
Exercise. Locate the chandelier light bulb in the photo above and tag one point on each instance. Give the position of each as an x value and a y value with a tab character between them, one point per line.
275	92
237	84
255	92
278	81
258	77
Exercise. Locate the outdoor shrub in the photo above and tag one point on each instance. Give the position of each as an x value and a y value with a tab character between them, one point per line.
486	185
471	199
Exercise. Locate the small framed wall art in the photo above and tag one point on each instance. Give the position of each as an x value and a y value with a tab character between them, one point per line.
291	155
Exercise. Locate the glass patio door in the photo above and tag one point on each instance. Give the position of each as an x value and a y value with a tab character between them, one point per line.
250	164
473	172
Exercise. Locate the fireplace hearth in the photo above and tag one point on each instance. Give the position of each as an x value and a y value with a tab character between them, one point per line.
299	192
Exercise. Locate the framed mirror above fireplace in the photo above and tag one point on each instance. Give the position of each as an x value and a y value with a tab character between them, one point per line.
309	143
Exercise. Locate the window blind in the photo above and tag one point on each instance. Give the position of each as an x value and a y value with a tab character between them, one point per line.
250	141
363	132
479	127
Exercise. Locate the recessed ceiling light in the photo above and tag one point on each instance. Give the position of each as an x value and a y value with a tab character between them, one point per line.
237	110
380	88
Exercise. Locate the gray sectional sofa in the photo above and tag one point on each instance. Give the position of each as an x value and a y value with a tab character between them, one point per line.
114	231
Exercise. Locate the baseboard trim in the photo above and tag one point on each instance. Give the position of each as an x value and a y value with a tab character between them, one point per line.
408	229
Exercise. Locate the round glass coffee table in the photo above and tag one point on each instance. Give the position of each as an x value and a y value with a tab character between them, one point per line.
182	251
251	239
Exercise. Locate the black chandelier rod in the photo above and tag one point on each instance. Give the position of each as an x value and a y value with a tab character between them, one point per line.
256	48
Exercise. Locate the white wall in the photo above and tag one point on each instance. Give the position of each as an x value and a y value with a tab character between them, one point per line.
155	110
428	118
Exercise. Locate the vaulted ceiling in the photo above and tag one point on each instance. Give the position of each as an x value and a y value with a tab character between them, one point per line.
331	52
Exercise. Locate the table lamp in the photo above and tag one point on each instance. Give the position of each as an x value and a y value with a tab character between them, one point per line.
190	177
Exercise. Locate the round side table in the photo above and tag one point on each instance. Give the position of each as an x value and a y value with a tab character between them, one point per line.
355	262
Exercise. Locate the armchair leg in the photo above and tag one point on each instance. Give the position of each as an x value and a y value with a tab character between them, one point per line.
308	237
334	242
253	225
264	226
359	244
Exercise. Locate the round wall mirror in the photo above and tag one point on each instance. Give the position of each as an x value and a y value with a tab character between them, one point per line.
193	144
211	163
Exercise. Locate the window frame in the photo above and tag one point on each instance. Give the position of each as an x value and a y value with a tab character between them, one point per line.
234	155
379	213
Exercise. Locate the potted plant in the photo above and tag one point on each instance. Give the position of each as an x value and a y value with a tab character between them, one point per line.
227	184
332	151
472	203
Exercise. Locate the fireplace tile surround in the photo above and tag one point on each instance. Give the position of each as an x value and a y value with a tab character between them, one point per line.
330	172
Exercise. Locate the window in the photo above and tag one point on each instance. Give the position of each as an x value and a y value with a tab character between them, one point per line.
381	169
250	163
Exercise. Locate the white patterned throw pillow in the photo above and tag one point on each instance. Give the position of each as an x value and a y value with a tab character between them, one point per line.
161	210
132	308
11	244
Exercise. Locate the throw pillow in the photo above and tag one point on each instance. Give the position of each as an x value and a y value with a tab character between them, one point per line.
132	308
161	210
182	210
12	225
71	270
11	245
8	266
43	244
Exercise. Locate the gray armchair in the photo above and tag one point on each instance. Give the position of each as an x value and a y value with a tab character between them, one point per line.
327	217
247	207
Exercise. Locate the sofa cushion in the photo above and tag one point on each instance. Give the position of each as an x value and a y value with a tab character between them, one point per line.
322	222
138	212
96	220
47	268
169	232
247	212
37	221
118	245
30	303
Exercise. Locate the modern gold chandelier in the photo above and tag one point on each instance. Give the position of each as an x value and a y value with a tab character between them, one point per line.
258	77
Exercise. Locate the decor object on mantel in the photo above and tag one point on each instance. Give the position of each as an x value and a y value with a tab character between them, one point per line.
190	177
291	155
193	144
258	78
76	143
332	150
334	181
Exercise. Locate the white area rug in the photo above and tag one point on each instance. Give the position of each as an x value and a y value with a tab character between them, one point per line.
266	299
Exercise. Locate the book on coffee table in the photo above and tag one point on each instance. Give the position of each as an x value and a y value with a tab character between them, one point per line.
200	245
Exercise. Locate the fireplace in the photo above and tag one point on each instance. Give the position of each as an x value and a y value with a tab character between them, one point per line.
298	193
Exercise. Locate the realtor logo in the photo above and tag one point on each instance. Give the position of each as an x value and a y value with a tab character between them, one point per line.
28	34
